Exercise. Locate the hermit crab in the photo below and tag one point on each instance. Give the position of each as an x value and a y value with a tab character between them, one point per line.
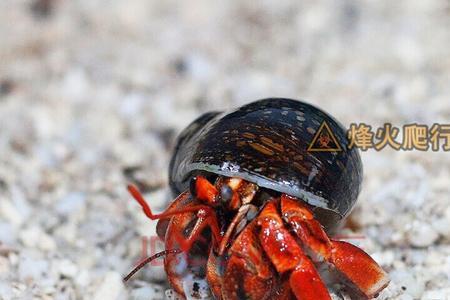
256	206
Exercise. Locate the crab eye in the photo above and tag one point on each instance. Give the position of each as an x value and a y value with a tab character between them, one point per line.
226	193
192	186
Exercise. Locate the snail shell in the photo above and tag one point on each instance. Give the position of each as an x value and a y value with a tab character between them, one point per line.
266	142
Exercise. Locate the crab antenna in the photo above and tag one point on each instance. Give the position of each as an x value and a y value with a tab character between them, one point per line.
148	260
140	199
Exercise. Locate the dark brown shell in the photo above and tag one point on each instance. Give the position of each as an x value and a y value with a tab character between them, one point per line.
266	142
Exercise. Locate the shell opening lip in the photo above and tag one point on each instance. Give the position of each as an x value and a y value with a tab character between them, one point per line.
265	182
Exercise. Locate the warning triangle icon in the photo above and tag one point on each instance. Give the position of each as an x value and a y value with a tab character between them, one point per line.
324	140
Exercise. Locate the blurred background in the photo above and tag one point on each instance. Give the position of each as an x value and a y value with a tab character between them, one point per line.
94	92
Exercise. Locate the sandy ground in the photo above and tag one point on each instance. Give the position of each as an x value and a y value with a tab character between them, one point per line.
93	94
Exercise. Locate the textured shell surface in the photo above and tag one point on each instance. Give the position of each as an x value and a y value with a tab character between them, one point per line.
266	142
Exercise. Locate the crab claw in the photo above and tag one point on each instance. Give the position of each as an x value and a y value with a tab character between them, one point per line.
361	273
353	266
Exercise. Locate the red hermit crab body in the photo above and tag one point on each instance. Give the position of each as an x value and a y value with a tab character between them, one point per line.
254	208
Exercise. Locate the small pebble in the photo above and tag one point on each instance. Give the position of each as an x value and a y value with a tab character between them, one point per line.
67	268
110	288
4	267
6	291
8	233
71	203
408	282
422	235
436	294
147	292
33	269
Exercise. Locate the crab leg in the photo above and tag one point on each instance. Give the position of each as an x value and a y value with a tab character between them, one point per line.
214	274
181	201
238	194
178	265
357	269
166	214
240	215
177	219
248	273
204	190
287	256
206	215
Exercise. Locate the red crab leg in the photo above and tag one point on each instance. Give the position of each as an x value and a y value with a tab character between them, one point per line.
204	190
358	270
182	200
205	213
168	213
181	218
214	275
206	217
240	215
243	193
287	256
248	273
176	265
